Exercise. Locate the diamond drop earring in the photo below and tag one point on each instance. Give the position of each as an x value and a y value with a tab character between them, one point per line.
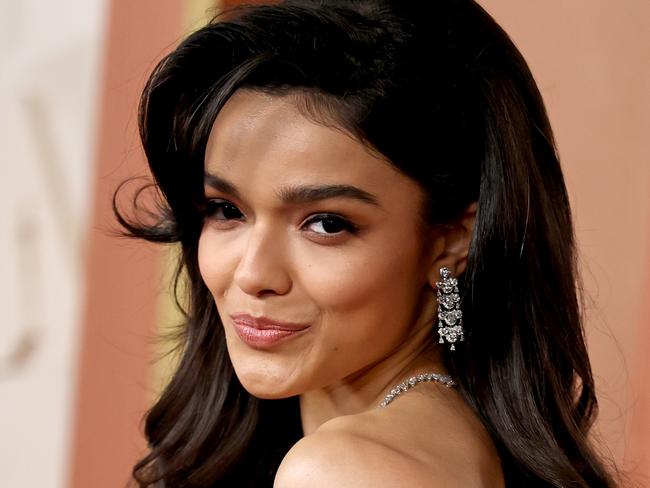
450	317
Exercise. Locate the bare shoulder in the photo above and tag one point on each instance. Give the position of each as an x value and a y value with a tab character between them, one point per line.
387	449
345	459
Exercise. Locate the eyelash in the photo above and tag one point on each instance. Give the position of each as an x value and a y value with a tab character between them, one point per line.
212	206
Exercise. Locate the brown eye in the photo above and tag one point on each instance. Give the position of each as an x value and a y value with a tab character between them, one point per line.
222	210
329	224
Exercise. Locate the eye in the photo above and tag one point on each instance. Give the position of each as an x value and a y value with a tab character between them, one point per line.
329	224
222	210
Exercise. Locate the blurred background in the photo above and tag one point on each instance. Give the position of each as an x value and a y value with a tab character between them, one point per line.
82	308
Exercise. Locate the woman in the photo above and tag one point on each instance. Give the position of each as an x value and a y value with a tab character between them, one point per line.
379	256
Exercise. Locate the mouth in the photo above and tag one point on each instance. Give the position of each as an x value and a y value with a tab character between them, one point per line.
264	333
263	323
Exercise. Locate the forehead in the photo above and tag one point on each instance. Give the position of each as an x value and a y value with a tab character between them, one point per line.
264	141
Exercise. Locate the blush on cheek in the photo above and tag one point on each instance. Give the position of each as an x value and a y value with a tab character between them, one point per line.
367	300
343	284
216	261
202	259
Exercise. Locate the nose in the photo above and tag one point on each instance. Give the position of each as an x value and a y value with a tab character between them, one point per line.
262	268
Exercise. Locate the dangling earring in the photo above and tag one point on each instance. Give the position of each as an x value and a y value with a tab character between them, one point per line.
450	317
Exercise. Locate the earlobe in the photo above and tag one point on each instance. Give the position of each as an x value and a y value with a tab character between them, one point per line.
456	239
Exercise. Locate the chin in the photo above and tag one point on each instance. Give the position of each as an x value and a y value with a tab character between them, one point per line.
266	391
264	384
264	395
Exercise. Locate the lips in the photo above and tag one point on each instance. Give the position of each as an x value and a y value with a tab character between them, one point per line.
264	333
263	323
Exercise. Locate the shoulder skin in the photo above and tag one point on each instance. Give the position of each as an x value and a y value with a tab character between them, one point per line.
336	455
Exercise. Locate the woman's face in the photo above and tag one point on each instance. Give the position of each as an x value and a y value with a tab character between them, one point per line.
313	249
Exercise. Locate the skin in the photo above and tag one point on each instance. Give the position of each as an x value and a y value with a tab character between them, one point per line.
366	294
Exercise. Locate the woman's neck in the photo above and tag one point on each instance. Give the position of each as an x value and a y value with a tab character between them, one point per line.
365	389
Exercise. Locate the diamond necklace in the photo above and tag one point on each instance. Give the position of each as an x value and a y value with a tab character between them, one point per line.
414	380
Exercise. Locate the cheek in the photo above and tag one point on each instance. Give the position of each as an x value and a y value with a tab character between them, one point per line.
215	263
370	286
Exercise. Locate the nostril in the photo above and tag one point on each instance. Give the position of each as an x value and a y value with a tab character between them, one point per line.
264	293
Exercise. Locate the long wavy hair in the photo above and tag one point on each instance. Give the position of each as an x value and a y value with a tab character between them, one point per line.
440	90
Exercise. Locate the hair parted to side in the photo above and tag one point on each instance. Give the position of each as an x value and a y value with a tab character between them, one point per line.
440	91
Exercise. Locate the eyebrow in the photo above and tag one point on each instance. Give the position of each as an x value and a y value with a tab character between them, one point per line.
295	195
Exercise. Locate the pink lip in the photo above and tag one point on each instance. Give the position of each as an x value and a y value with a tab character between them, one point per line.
263	333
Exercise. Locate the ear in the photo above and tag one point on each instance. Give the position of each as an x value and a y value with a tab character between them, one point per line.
454	239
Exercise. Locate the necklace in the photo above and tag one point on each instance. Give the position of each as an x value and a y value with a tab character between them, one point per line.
414	380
